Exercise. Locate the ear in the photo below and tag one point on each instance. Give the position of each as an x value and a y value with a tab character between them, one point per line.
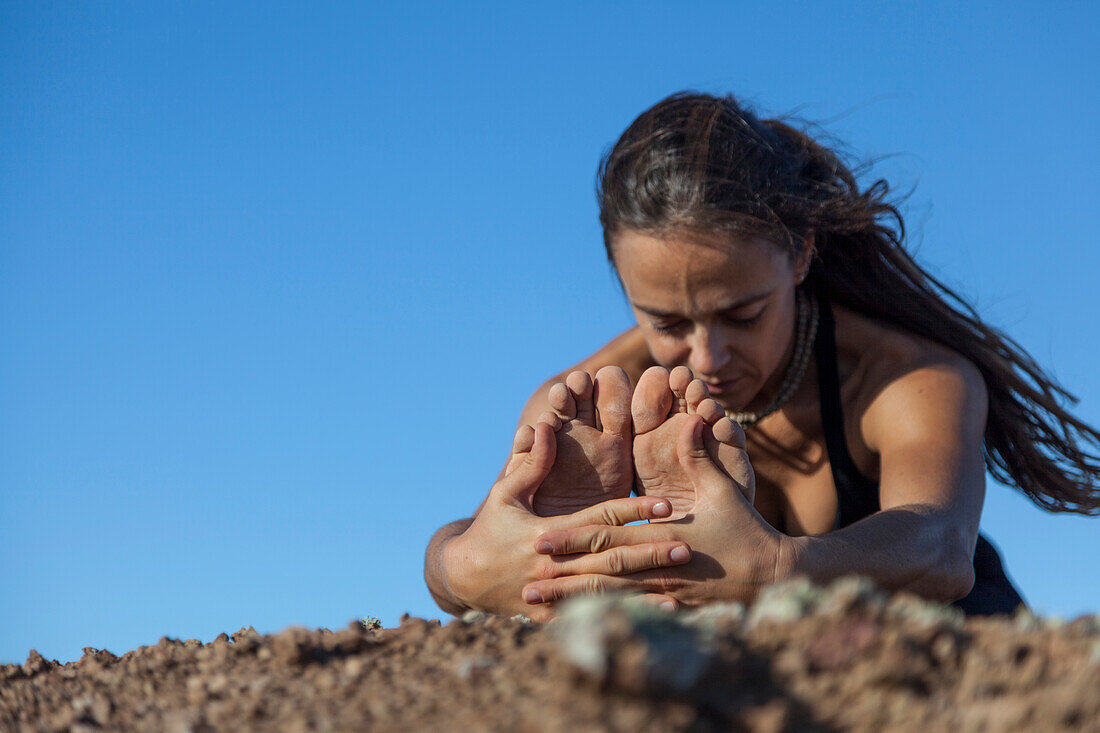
804	257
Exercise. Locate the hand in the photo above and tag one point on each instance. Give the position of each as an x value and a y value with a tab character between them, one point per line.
734	551
486	566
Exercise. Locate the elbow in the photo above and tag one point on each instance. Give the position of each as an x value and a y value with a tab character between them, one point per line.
946	583
947	572
952	577
959	581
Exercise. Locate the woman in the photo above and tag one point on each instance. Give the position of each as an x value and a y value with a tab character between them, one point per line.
872	398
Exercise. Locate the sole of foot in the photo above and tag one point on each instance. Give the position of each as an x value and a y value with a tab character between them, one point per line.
662	402
593	427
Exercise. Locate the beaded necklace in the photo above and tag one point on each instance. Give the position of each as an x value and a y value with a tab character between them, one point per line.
806	333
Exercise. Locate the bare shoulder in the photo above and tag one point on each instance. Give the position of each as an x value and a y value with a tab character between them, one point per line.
908	387
627	350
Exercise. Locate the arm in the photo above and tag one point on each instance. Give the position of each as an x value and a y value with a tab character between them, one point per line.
917	548
433	566
927	427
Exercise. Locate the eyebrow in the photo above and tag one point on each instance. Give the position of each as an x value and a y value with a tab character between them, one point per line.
739	303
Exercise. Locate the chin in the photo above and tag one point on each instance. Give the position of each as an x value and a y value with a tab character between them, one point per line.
738	401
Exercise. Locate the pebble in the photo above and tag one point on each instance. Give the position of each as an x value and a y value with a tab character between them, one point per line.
474	617
467	668
244	632
850	592
666	656
925	613
1025	620
1053	622
715	615
1090	625
36	663
785	602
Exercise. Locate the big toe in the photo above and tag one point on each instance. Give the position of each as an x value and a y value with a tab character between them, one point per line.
652	400
612	389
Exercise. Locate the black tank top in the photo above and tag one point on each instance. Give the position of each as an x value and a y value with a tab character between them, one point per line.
857	495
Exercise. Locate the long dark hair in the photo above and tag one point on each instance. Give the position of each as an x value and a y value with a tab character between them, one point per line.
696	162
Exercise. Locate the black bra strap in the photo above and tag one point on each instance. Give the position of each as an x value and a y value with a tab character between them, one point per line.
857	496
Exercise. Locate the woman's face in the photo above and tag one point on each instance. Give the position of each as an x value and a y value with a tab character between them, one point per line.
727	312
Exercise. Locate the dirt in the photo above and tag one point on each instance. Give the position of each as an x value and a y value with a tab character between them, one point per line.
802	658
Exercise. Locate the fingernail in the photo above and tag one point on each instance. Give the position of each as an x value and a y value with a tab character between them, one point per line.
668	606
532	596
679	554
543	547
661	510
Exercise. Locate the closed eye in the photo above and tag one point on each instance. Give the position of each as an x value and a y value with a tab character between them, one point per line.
745	322
668	328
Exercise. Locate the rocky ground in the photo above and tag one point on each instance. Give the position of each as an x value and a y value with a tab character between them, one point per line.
801	659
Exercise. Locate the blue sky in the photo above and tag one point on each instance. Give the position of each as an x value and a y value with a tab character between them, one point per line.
275	279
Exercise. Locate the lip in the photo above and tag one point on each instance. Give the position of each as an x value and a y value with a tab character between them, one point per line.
717	388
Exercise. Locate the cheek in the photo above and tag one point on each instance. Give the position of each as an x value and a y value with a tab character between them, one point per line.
771	345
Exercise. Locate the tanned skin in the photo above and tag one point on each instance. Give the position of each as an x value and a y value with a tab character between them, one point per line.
914	416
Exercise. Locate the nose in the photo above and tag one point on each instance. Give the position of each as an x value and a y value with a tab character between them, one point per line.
709	351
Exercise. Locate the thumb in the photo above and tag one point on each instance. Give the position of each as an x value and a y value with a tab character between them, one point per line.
696	459
525	476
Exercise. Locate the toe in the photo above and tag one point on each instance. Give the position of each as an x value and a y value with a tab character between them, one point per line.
678	381
580	385
521	446
652	400
562	402
710	411
729	432
612	398
696	392
524	440
550	418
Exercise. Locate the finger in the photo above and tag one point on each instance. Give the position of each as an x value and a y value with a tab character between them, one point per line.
619	512
601	537
620	560
612	398
580	384
558	589
696	393
526	476
661	601
729	432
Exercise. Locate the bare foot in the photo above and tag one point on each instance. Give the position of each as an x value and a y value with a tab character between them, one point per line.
661	404
593	462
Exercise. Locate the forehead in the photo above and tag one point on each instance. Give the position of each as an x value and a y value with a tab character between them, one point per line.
685	274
